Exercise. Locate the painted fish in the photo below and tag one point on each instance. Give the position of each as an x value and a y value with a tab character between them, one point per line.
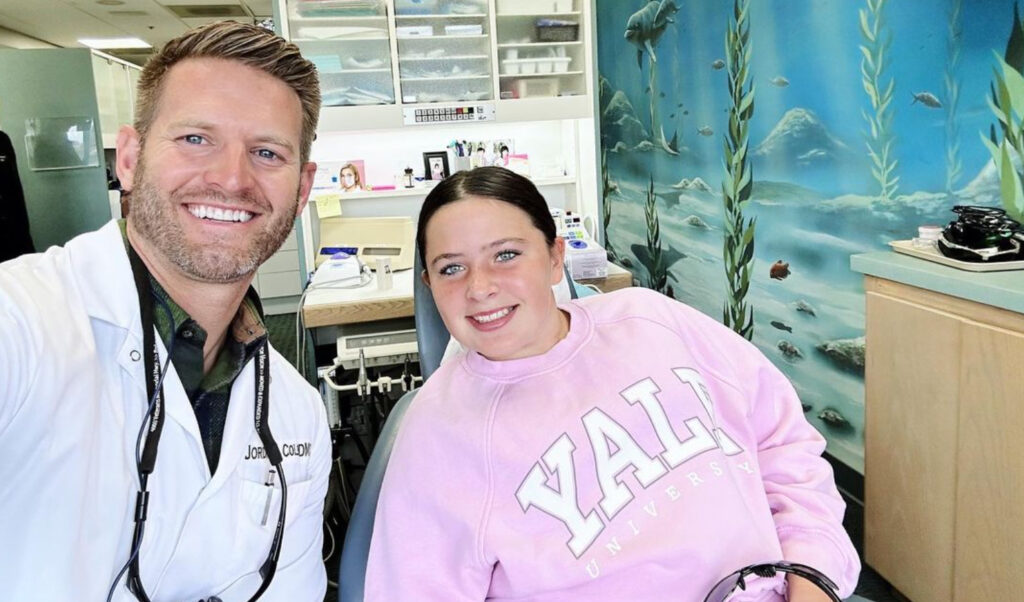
717	64
779	270
646	26
927	99
780	81
781	326
706	131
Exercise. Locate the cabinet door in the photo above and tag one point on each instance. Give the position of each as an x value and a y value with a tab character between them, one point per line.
910	436
350	45
122	94
990	484
106	99
541	49
444	50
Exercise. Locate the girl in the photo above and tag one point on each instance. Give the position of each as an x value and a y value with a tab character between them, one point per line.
619	447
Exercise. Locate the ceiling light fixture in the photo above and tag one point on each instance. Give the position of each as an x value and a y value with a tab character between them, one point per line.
112	43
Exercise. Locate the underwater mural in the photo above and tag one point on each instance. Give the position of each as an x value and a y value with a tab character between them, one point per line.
749	147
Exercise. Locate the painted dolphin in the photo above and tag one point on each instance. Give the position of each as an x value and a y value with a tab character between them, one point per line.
645	26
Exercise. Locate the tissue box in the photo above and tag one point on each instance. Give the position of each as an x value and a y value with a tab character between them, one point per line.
585	259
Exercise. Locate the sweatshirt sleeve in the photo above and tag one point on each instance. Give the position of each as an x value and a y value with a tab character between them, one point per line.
798	482
426	543
805	504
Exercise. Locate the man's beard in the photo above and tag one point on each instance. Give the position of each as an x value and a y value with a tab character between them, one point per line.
155	217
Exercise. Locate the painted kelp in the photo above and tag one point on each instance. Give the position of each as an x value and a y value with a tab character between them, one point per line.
644	29
873	68
951	86
812	193
738	181
1006	144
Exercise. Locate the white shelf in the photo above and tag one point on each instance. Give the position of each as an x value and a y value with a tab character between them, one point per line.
354	71
535	15
452	77
297	21
451	16
463	57
424	190
443	37
548	74
538	44
339	40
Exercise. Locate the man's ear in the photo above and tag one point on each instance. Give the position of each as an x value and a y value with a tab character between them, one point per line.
557	260
425	278
129	151
306	175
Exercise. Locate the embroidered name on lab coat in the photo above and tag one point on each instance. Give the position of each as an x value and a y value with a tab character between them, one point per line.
288	450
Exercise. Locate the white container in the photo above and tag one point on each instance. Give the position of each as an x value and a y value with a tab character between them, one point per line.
527	7
544	65
414	31
527	66
561	64
510	66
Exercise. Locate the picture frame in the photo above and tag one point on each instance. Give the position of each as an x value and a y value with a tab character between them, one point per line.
435	165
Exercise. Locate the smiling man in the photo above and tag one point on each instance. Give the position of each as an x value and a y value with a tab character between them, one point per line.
145	336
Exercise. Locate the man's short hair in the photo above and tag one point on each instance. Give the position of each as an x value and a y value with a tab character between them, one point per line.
248	44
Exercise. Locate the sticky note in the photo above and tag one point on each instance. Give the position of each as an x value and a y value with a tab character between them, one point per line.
328	205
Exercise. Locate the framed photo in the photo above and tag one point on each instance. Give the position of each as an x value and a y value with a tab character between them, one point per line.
435	165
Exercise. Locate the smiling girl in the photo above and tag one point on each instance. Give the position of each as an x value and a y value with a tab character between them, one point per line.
618	447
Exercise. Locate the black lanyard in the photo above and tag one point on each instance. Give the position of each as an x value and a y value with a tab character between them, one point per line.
147	462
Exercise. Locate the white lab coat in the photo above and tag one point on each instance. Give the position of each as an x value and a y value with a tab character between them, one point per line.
72	397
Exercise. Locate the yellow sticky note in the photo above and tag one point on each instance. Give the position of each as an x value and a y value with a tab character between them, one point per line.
328	205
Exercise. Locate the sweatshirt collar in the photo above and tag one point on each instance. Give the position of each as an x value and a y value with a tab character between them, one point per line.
580	330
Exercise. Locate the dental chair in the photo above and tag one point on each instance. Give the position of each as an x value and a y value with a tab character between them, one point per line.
432	338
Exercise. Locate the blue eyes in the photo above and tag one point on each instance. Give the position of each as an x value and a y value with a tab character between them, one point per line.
262	153
450	269
501	257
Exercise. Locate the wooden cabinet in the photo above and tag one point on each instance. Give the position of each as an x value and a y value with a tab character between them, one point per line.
944	457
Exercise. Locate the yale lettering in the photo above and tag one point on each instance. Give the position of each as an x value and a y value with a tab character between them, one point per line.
617	453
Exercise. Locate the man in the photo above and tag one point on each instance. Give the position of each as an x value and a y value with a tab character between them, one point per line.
92	333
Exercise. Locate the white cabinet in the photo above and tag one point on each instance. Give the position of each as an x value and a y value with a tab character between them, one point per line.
279	278
525	59
115	83
350	44
541	48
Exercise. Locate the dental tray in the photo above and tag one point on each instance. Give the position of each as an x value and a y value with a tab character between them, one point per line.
932	254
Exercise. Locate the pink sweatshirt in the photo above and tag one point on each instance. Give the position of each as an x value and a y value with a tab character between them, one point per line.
645	456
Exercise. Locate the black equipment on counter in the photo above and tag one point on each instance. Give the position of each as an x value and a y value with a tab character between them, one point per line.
982	234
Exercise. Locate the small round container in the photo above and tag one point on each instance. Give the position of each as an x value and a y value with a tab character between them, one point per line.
929	232
927	237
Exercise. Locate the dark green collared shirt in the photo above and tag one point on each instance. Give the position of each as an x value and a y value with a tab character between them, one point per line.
208	393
